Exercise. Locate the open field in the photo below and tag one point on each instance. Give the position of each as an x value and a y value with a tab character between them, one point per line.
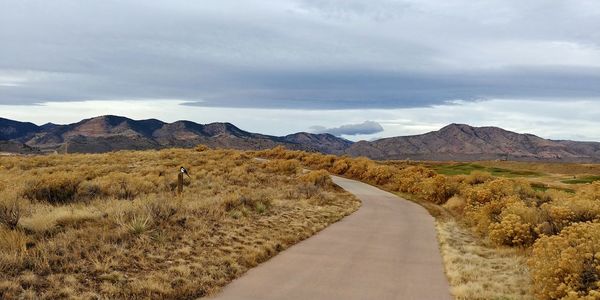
553	230
111	226
543	176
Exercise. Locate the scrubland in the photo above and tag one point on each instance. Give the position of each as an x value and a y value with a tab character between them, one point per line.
110	226
521	241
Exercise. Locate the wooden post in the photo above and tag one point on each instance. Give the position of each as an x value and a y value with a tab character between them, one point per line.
180	183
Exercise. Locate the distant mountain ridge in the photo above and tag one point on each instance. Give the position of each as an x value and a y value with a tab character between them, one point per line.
458	142
462	142
111	133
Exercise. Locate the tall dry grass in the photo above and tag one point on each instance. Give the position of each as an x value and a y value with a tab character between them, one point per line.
110	226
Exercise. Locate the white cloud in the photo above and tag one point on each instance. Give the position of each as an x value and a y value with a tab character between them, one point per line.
364	128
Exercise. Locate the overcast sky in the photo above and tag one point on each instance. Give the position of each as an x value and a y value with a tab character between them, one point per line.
359	69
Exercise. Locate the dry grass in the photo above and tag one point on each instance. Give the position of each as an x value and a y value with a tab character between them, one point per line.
110	226
479	271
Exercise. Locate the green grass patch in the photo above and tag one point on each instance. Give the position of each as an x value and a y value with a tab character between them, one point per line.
467	168
584	179
540	187
458	169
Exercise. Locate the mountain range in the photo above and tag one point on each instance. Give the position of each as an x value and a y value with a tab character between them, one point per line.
457	142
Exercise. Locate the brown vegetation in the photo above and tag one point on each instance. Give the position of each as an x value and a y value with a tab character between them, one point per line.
111	226
476	270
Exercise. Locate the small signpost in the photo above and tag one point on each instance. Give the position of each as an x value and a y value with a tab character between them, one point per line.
182	171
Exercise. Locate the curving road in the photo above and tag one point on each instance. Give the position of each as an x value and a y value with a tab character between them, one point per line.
385	250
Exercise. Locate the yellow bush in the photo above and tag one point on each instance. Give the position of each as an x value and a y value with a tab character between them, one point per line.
358	168
497	189
482	216
456	204
318	161
438	189
590	191
201	148
319	178
123	186
566	211
285	166
340	166
378	174
59	187
478	177
511	231
567	266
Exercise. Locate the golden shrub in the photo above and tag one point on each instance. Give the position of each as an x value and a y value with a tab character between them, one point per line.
478	177
88	190
480	217
319	178
59	187
201	148
378	174
590	191
358	167
122	185
456	204
563	212
497	189
438	189
318	161
285	166
511	231
340	167
567	266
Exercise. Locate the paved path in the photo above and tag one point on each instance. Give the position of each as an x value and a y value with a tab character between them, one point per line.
385	250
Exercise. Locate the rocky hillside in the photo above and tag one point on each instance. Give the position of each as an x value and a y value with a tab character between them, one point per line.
454	142
110	133
462	142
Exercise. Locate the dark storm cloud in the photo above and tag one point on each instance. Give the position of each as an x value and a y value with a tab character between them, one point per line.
367	127
311	54
357	90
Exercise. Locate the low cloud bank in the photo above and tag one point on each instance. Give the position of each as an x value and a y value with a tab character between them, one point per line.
367	127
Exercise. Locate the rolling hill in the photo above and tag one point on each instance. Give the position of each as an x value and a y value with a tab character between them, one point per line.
457	142
461	142
110	133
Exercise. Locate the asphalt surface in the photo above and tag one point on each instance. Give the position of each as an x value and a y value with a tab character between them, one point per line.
385	250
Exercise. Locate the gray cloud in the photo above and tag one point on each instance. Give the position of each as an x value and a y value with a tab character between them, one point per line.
306	54
367	127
